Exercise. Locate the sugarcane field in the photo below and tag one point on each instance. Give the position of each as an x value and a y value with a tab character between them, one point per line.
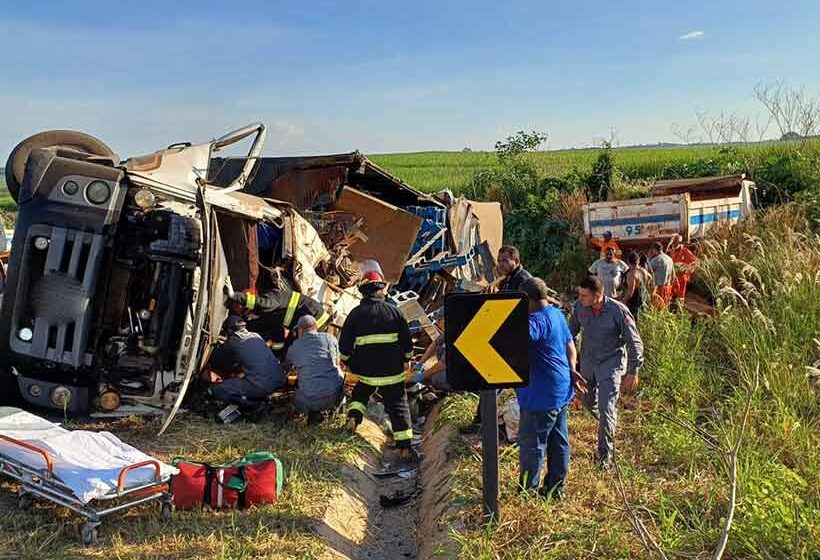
410	281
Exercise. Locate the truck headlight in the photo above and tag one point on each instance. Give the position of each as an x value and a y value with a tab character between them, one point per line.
144	199
35	390
41	243
97	192
71	188
60	396
109	401
25	334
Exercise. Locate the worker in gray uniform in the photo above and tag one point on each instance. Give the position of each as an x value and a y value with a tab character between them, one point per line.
610	348
245	352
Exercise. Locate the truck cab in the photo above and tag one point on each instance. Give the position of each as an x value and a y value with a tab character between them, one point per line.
114	288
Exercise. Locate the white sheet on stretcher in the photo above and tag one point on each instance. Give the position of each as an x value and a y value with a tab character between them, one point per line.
87	462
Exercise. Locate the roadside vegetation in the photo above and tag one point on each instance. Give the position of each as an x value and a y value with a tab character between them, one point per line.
315	461
725	427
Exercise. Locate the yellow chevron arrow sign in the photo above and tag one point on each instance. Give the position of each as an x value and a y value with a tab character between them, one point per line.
474	341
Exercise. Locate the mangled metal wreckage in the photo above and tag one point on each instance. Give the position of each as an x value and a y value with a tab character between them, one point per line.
116	282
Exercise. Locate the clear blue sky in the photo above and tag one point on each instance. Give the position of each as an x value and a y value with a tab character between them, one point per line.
388	75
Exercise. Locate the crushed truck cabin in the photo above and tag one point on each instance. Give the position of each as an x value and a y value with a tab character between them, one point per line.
115	292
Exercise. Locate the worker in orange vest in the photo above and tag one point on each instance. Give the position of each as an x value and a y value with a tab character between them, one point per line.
685	264
605	244
663	272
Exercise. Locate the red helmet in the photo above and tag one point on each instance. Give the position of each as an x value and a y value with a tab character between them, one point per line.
372	276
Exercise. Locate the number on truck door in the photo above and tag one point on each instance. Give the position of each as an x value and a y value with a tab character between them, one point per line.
633	230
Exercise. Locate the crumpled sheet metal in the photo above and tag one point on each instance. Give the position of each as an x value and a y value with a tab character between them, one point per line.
308	251
391	231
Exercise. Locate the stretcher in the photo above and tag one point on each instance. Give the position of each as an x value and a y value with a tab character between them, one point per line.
93	474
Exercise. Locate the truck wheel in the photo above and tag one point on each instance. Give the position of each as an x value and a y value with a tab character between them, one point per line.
16	164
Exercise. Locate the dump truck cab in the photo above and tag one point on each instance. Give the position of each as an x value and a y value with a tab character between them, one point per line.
114	284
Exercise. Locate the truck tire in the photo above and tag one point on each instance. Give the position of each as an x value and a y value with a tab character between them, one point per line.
16	164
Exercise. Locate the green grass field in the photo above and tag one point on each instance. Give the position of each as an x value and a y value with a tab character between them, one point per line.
431	171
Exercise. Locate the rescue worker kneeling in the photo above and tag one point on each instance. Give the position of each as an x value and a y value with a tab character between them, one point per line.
375	343
315	356
261	373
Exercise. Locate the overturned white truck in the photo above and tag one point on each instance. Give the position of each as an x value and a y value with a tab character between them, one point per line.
115	287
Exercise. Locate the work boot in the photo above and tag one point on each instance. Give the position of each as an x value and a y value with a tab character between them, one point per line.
315	417
408	457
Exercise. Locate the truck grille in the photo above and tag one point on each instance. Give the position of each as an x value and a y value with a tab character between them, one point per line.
55	294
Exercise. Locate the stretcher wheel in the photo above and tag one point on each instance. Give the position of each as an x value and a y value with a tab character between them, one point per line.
25	501
89	534
165	511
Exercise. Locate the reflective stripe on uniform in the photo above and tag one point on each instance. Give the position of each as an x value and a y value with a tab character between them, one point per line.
292	305
403	435
386	338
250	300
320	322
408	355
277	345
382	381
343	357
356	405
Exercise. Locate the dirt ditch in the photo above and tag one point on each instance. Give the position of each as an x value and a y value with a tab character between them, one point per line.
356	526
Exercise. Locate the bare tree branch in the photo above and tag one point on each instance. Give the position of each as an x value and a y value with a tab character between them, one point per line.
648	542
720	548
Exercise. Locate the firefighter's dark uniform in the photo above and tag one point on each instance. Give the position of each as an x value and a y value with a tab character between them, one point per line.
375	343
281	308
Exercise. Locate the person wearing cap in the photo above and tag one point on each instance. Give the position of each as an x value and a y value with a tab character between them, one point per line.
277	311
544	402
375	344
315	356
606	243
261	374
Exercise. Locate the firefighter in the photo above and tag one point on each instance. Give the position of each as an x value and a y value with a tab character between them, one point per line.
277	311
375	345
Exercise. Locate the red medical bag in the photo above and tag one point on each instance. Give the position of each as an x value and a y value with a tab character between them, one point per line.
256	478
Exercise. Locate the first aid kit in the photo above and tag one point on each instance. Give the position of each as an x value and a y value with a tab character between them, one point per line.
256	478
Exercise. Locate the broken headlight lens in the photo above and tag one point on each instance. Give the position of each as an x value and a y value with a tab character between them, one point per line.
25	334
97	192
41	243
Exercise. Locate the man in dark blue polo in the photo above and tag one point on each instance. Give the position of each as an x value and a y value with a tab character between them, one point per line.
544	401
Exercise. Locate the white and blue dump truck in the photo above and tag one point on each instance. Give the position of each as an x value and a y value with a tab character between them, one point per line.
688	207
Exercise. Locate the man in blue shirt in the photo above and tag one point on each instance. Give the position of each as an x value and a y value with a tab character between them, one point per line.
543	403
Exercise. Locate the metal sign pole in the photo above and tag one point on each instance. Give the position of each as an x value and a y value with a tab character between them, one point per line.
489	451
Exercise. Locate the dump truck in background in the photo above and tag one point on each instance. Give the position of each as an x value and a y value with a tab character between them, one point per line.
688	207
